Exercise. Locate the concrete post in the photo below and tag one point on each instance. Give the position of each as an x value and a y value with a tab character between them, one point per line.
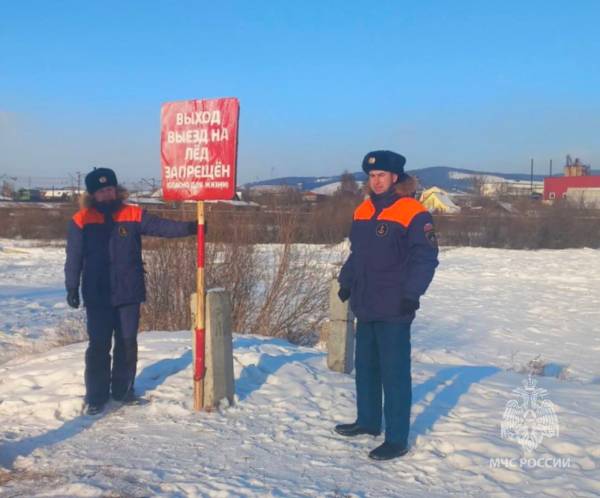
340	333
219	380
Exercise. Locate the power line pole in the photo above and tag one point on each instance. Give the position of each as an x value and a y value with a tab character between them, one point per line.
532	175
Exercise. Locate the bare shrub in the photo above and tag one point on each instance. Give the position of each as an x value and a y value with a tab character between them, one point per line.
331	220
531	226
277	289
235	266
170	267
291	291
484	223
30	221
294	303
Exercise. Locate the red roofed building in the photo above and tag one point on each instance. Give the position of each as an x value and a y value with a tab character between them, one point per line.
577	176
555	187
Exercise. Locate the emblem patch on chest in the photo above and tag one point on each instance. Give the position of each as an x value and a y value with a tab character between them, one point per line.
123	231
382	229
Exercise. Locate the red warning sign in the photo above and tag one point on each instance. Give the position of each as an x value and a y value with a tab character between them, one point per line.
198	149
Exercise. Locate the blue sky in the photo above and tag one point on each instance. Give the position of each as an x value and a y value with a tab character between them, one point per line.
476	84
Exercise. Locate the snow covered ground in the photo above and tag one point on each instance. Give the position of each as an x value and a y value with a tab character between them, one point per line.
488	314
33	313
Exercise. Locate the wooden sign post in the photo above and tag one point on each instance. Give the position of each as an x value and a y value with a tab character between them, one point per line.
199	162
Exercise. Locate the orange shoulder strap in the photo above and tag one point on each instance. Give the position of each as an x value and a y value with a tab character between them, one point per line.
87	216
365	210
129	212
402	211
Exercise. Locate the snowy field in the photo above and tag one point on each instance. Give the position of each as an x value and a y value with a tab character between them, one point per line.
488	317
33	312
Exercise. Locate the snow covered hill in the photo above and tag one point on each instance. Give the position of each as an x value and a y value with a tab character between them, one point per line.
450	179
489	317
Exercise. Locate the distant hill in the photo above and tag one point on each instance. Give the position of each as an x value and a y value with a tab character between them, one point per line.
450	179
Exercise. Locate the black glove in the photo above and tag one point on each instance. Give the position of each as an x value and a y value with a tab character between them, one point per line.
408	306
343	294
73	298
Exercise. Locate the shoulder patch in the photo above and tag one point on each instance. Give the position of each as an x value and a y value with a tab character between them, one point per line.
365	210
430	234
402	211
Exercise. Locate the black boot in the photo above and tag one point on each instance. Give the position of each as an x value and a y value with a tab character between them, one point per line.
354	429
94	409
129	397
387	451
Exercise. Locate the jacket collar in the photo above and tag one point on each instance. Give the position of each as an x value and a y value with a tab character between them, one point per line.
385	199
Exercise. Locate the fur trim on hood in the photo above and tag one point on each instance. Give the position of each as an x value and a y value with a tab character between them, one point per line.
86	199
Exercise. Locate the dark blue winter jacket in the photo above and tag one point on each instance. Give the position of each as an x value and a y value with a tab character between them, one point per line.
106	253
393	256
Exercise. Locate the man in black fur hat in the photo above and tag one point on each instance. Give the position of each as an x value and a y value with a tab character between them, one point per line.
104	255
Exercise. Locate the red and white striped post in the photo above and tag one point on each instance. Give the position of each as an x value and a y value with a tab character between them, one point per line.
199	162
200	330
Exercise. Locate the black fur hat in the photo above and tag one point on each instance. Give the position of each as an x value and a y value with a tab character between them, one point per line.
99	178
385	160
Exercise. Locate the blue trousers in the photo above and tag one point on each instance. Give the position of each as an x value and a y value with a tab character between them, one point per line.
102	323
382	360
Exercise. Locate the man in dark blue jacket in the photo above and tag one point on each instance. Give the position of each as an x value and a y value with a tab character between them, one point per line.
104	253
392	261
